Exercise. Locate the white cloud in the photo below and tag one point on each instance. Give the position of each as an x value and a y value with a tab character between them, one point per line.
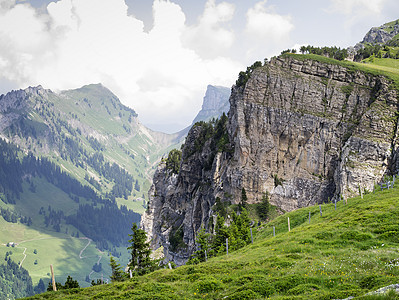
357	7
87	41
270	30
211	36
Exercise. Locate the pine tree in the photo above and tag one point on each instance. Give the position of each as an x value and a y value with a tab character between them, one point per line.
140	262
117	273
244	199
202	242
221	233
243	222
263	207
70	283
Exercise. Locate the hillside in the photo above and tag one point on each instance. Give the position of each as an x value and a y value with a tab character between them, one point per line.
74	176
345	252
72	128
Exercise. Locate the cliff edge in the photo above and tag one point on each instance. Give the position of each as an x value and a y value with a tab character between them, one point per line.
304	130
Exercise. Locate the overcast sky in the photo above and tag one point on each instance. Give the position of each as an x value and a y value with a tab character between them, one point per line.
159	56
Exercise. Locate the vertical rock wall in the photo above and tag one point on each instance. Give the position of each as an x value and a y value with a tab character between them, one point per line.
302	130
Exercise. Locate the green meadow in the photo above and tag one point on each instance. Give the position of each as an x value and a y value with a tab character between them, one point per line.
345	252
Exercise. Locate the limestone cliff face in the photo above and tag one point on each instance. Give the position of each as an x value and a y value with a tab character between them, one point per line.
321	129
302	130
382	34
215	103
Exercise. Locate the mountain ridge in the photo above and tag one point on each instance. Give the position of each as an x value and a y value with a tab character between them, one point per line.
304	129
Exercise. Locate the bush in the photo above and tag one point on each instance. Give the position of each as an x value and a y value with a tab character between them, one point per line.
369	282
173	161
207	285
355	236
392	236
262	287
244	294
286	283
303	289
243	77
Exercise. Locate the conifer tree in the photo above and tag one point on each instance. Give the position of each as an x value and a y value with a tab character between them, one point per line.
221	233
202	242
263	207
140	262
244	199
117	273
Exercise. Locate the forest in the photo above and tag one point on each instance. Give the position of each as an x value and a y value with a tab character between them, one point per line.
102	220
15	281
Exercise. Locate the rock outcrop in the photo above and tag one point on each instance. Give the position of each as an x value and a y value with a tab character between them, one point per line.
215	103
380	35
303	130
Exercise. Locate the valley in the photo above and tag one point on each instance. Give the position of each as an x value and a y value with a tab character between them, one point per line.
76	168
274	191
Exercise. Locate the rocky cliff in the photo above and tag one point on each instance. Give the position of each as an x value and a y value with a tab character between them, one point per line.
381	35
304	130
215	103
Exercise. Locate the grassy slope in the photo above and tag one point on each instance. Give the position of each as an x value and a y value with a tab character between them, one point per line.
345	252
378	66
57	248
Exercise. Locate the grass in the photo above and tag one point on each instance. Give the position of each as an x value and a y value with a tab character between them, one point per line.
347	252
378	66
57	248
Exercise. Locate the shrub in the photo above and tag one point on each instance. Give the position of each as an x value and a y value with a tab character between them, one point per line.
207	285
243	77
369	282
286	283
244	294
355	235
173	161
303	289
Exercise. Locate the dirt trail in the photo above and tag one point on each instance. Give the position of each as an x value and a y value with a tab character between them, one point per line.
88	243
20	264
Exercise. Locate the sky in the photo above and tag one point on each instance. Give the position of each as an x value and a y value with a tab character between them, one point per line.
159	56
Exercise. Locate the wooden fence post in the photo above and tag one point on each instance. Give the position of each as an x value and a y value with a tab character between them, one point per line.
227	246
289	227
321	214
252	238
52	278
274	231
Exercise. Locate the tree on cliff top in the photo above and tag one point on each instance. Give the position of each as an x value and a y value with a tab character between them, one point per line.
244	76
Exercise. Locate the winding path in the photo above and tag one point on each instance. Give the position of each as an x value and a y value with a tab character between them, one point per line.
20	264
88	243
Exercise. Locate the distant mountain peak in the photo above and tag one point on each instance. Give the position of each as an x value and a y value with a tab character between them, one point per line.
215	103
383	34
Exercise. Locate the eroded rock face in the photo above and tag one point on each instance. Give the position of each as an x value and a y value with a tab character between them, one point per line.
215	103
302	130
381	35
323	130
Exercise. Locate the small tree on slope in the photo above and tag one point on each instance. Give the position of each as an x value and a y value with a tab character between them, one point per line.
140	262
